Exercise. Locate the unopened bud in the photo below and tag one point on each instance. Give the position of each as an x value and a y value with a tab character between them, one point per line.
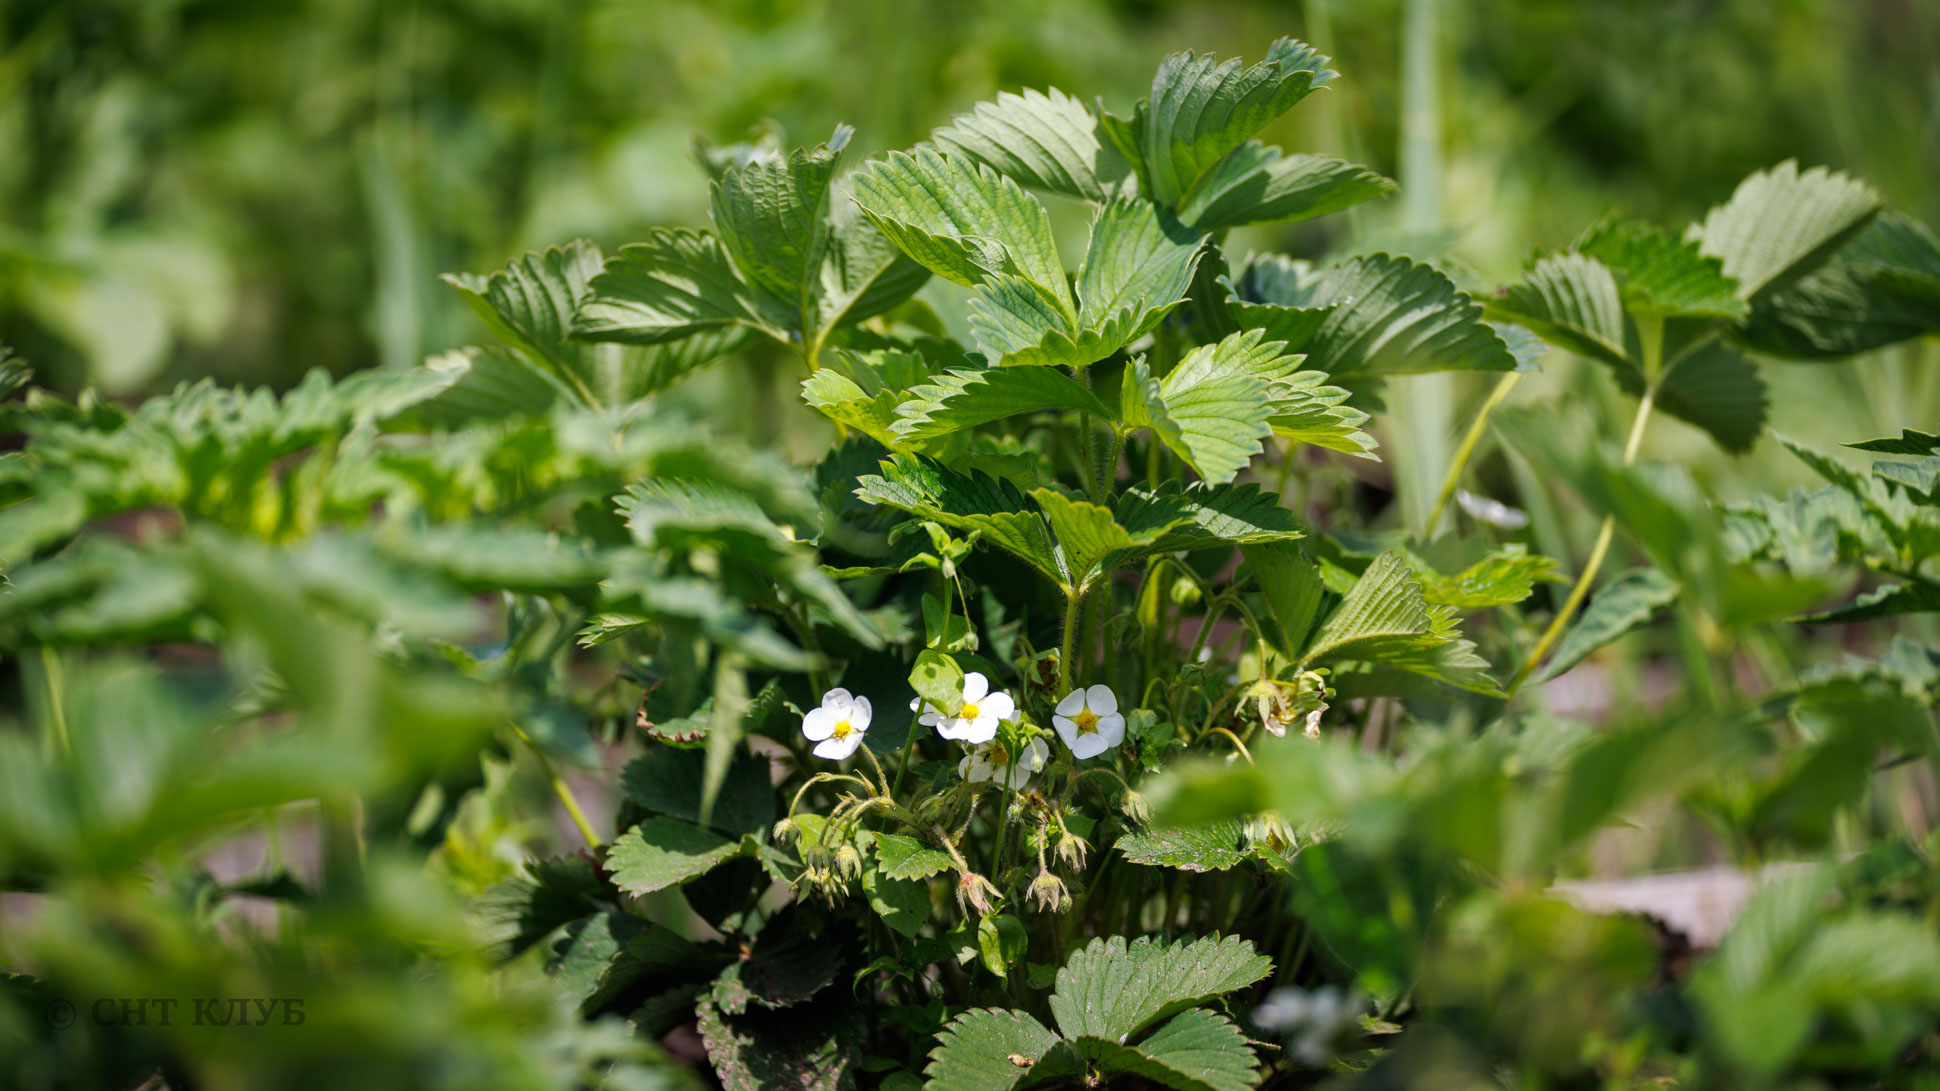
786	831
848	861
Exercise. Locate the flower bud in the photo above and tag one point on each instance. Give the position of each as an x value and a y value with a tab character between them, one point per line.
848	861
786	831
1048	893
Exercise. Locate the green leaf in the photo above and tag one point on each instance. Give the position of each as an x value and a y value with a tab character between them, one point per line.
1572	300
964	222
487	384
517	913
813	1049
1045	140
1214	409
772	215
1624	605
1091	543
1880	289
664	852
1206	516
1909	442
1001	941
1307	410
1293	589
1390	316
985	1049
1200	110
1661	275
667	781
1782	223
1504	577
1213	846
1385	602
965	398
840	399
676	284
973	502
1255	185
1197	1050
900	857
785	968
938	680
1916	596
903	904
1140	259
1111	990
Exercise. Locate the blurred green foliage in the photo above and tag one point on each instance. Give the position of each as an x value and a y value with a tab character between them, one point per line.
246	190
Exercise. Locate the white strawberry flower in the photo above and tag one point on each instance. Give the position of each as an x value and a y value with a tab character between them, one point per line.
976	722
1088	721
994	761
837	727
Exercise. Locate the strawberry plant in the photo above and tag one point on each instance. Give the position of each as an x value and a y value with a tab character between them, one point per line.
1059	723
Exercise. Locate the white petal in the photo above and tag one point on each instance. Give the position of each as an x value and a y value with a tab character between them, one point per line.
978	733
1089	746
820	723
837	698
859	714
998	705
930	719
1067	730
1072	703
1102	700
913	702
964	765
837	749
1017	779
955	728
1111	729
975	685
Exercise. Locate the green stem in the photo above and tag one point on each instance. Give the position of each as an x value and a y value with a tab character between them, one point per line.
1604	534
1462	453
561	789
1003	826
1108	473
1073	600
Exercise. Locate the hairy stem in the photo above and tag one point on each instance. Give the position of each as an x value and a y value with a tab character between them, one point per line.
1073	603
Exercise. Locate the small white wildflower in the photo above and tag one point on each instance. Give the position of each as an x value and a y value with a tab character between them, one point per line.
993	761
1314	1023
837	727
976	722
1088	721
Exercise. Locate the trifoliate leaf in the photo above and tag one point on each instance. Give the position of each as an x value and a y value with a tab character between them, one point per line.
1197	1050
1782	223
992	507
667	781
1624	605
664	852
1112	990
1090	542
1044	140
1208	516
1200	110
1140	259
1256	185
1293	590
1215	422
773	217
1307	410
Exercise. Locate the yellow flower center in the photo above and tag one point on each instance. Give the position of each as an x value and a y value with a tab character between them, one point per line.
969	712
842	730
999	757
1086	720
